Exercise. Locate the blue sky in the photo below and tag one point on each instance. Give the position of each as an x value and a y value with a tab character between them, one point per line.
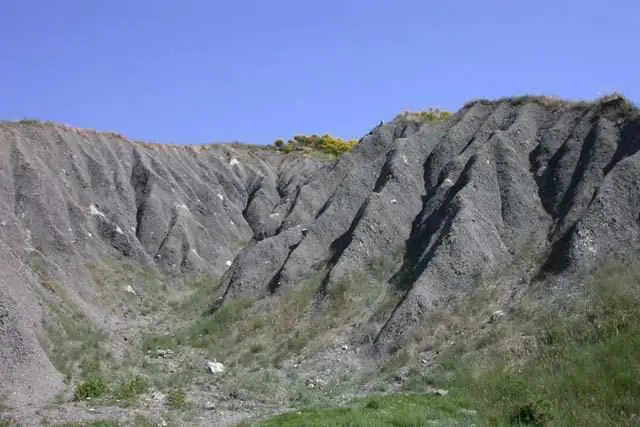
253	71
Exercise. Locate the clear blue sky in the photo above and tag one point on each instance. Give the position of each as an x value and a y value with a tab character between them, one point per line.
202	71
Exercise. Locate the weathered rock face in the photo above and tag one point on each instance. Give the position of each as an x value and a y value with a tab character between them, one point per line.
461	197
71	197
458	198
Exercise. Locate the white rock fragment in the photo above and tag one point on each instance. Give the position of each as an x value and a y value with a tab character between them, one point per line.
228	263
181	206
130	290
215	367
93	210
498	314
164	353
586	240
119	230
89	234
234	161
394	201
315	382
448	181
158	396
220	196
273	215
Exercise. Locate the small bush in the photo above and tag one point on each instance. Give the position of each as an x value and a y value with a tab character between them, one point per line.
91	388
177	399
373	404
153	342
531	414
90	366
131	388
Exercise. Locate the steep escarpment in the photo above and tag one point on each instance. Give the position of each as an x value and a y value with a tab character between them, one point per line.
417	212
75	201
462	197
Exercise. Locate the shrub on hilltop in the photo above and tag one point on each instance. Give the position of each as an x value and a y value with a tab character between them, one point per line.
333	146
430	115
317	143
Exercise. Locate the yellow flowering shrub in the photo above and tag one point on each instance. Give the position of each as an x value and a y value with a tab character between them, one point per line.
320	143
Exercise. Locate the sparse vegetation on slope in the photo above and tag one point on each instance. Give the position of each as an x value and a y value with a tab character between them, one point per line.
379	411
581	368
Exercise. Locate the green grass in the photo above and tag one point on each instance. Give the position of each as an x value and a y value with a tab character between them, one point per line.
4	407
130	388
117	386
411	410
177	399
78	351
91	388
72	344
581	368
106	423
111	279
585	369
139	421
7	421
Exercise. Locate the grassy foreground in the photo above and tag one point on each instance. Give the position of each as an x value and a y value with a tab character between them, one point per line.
393	410
584	371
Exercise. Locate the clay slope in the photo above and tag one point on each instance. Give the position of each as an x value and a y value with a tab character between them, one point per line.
460	199
70	198
456	200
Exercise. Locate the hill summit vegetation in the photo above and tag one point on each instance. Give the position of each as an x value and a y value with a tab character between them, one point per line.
326	144
334	146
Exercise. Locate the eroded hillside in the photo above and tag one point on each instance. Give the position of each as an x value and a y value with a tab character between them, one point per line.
354	253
